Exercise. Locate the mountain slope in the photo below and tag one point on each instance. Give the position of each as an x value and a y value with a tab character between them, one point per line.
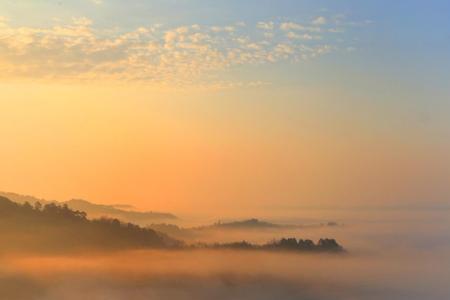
55	227
98	210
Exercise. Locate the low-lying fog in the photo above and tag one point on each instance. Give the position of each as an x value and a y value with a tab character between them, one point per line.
392	255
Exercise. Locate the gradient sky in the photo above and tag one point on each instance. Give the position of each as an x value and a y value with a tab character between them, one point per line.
206	105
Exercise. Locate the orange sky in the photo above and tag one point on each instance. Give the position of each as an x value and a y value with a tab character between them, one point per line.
203	150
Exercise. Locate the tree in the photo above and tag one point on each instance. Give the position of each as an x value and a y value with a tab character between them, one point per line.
27	205
38	206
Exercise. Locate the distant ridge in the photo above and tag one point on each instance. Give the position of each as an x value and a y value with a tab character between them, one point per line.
249	225
259	224
93	210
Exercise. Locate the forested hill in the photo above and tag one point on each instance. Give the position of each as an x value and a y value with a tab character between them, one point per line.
93	210
53	227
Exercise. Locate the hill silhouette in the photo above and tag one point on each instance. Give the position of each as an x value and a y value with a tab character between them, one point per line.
53	227
117	211
248	225
259	224
93	210
197	232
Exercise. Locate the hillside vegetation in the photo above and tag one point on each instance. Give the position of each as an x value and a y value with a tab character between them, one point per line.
53	227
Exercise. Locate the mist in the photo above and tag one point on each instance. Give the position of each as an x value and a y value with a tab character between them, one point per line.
391	255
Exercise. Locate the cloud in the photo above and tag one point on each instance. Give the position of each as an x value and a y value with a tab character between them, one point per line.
223	28
77	50
265	25
286	26
97	2
306	36
319	21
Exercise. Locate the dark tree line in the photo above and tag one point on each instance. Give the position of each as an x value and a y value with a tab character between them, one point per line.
285	244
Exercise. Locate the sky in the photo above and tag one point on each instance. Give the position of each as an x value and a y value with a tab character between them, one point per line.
227	105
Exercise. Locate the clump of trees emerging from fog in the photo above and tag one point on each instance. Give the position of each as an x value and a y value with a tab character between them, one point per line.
285	244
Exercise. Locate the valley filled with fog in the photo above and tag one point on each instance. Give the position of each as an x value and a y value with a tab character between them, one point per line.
391	254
